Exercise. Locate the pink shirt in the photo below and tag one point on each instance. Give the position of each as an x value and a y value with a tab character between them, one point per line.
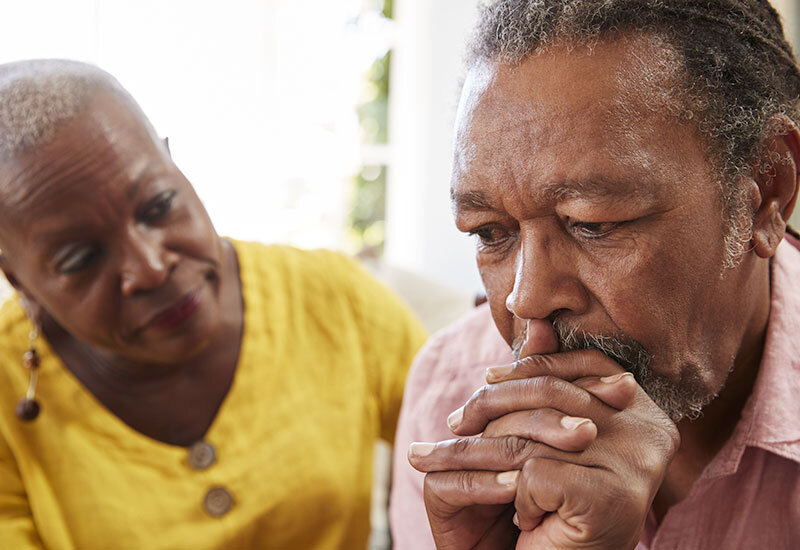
748	496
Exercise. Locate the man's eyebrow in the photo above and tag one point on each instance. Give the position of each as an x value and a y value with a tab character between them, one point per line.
597	188
471	200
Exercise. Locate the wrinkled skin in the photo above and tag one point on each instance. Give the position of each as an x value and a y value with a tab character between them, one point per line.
592	206
103	236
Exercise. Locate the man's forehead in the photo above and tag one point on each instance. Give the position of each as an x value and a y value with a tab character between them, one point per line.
563	101
638	74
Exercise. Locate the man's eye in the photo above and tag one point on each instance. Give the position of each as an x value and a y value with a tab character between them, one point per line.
158	207
77	259
592	230
490	235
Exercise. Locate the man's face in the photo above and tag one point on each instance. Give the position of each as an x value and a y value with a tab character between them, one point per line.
103	232
594	208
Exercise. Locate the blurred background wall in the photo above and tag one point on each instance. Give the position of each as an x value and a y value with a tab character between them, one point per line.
313	122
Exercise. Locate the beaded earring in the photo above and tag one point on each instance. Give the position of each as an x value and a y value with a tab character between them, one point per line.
28	408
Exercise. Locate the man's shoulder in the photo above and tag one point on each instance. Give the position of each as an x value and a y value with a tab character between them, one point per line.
454	359
472	339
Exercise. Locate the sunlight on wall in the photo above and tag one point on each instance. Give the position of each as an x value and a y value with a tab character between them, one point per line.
257	96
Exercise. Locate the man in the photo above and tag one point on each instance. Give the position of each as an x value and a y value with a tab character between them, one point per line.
627	168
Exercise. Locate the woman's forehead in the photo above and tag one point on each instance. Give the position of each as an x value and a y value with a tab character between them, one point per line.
100	155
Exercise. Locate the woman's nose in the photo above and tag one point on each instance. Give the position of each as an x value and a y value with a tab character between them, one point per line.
146	264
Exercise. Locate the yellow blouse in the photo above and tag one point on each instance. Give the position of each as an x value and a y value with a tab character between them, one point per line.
320	376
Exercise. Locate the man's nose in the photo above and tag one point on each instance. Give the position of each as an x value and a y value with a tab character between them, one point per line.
146	263
544	281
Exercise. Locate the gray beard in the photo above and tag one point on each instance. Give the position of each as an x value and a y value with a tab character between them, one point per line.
684	399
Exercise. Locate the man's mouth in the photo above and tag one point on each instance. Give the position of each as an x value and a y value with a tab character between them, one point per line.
177	313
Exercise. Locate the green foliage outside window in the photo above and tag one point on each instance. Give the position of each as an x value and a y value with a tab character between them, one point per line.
366	220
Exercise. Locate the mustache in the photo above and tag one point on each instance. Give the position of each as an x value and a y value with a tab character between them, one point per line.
680	399
625	350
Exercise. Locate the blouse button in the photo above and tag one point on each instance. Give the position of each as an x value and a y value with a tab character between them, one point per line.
218	502
201	455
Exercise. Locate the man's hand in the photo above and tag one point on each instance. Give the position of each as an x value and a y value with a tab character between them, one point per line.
589	486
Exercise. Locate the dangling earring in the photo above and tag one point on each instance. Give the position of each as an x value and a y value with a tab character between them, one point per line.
28	408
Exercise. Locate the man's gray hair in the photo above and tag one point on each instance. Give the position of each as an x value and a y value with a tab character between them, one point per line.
37	96
739	80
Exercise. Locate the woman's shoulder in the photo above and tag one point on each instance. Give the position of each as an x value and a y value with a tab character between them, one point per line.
14	330
282	266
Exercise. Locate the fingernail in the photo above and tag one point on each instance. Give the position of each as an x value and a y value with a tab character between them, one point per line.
421	449
498	373
455	418
573	422
508	478
516	519
614	378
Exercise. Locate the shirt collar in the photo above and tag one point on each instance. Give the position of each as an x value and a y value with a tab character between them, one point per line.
771	417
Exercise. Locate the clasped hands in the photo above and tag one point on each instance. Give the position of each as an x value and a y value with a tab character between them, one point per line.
572	452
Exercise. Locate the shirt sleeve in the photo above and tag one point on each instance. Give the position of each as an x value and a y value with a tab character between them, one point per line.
450	367
407	515
17	529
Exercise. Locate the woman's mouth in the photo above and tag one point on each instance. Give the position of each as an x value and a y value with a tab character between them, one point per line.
178	313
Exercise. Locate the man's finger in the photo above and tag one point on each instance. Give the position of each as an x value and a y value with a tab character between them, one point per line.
569	365
496	400
482	453
618	390
547	426
448	492
540	338
542	489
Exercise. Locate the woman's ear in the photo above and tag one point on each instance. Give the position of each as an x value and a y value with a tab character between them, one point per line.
32	307
777	180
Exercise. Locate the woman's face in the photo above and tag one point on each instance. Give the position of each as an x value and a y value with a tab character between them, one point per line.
101	230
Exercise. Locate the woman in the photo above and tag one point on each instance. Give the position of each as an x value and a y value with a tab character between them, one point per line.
192	391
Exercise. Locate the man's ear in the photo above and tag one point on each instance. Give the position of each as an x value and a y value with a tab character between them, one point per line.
777	180
32	307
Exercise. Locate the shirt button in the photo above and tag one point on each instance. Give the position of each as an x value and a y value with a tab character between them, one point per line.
218	502
201	455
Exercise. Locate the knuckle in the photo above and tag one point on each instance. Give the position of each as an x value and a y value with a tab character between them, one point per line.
465	481
536	365
553	391
650	459
462	446
545	386
673	437
531	467
477	403
431	484
515	450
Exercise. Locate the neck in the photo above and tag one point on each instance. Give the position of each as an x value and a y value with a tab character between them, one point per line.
703	438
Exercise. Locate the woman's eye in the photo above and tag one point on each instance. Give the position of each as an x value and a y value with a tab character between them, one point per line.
592	230
158	207
77	259
490	235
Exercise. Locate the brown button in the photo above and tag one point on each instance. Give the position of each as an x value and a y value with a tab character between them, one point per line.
201	455
218	502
